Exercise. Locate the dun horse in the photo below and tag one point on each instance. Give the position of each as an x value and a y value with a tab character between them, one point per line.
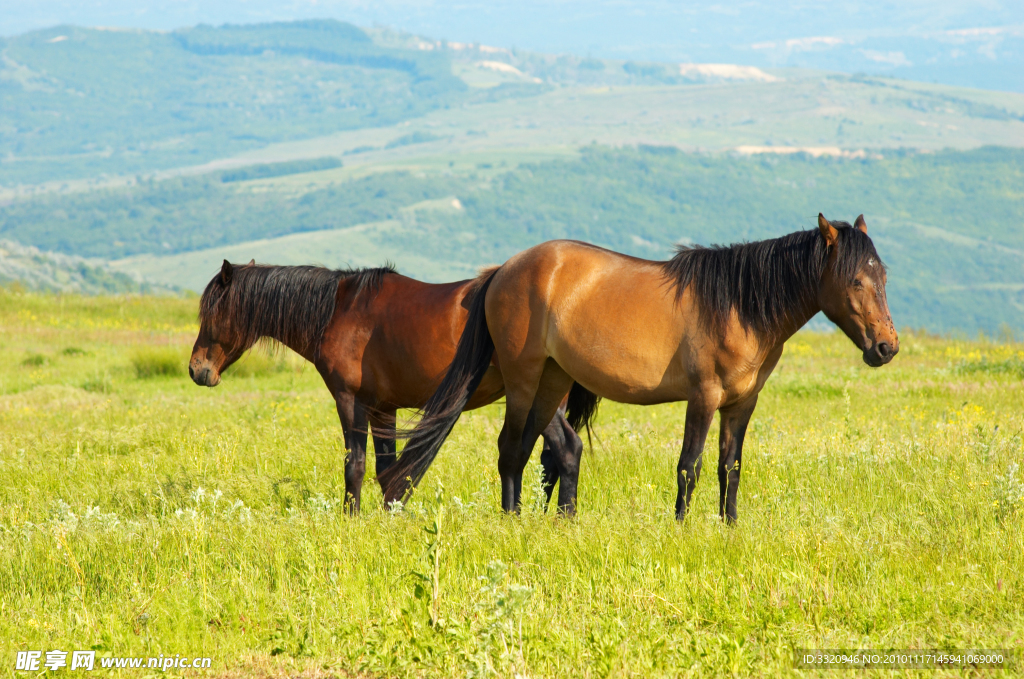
381	341
706	327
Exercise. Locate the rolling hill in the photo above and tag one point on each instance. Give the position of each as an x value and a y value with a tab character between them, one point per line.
947	224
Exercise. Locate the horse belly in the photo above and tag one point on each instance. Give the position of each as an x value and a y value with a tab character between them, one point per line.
620	336
622	369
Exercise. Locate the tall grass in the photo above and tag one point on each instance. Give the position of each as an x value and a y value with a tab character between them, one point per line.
159	362
878	508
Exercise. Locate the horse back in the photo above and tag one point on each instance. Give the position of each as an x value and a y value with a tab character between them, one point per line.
391	346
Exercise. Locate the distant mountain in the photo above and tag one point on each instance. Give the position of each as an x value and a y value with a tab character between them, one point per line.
955	42
948	224
81	102
986	57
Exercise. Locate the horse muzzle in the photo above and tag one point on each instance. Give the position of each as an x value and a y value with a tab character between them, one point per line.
880	353
204	377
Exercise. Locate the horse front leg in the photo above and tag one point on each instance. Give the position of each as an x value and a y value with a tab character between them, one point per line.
353	423
730	454
699	414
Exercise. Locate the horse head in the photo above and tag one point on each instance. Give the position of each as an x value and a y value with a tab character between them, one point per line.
852	292
220	342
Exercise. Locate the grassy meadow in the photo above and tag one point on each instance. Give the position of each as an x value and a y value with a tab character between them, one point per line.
142	515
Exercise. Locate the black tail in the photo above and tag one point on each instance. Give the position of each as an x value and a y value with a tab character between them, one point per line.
582	409
443	408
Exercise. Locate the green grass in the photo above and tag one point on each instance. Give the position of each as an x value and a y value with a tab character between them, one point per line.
1013	366
264	171
259	363
878	508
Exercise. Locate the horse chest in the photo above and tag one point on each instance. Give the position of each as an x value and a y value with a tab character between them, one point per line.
744	377
740	387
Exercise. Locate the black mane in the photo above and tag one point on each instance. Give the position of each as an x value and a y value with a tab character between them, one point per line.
767	282
292	304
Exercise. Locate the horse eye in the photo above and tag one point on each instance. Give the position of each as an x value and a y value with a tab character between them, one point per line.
857	283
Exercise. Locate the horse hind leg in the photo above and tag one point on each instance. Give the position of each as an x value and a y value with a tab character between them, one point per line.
560	458
353	425
527	413
382	423
551	452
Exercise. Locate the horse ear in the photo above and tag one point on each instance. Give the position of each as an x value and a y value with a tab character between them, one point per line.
225	272
861	225
828	232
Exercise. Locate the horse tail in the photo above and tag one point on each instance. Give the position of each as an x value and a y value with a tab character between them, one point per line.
582	409
443	408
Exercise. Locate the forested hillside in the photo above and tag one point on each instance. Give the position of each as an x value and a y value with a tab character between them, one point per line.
28	268
82	107
948	224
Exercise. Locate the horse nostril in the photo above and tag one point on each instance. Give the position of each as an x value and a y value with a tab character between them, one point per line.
191	372
884	349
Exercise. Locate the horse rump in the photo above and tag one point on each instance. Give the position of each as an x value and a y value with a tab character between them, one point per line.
443	408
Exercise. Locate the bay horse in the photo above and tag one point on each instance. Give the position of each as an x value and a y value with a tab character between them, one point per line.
706	327
380	340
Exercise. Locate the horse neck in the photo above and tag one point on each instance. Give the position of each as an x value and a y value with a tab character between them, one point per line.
284	335
796	319
308	353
